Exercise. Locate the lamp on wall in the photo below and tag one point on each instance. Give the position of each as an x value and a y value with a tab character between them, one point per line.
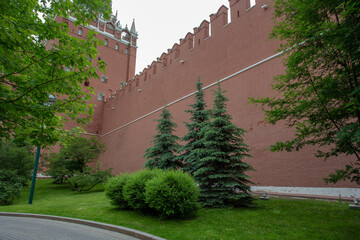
265	6
182	61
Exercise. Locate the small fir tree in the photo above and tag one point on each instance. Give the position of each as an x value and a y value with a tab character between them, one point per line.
221	172
162	154
193	150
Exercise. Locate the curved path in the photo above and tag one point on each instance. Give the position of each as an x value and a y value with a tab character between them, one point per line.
17	226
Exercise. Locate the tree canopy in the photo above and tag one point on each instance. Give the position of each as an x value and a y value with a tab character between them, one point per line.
320	90
73	156
36	52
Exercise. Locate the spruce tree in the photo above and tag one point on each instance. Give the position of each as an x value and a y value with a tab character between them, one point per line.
162	154
221	172
194	148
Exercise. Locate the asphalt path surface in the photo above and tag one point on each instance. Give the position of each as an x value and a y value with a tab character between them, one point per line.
26	228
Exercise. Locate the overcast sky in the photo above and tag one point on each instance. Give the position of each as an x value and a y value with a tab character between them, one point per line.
161	23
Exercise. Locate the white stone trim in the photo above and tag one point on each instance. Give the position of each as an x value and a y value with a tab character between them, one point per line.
109	35
322	191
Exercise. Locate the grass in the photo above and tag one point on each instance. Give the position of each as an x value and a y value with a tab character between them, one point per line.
274	219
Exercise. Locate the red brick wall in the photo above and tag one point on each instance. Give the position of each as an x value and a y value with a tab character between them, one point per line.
231	47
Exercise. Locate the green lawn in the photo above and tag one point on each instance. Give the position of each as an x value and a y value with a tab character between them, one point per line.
274	219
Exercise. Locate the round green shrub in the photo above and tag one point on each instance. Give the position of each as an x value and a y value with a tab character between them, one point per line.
173	194
10	186
134	189
114	190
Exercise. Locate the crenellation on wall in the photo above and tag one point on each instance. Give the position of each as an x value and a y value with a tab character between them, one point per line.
153	68
219	20
163	60
187	43
174	52
201	33
184	49
237	8
161	69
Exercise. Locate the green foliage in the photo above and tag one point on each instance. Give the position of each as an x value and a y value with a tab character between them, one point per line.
134	189
320	90
221	170
279	218
17	158
173	194
89	178
10	186
192	151
162	154
35	50
114	191
73	157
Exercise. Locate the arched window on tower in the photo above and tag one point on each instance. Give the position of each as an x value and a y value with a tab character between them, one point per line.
116	46
80	32
106	42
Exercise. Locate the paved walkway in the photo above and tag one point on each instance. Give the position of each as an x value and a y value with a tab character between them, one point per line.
30	228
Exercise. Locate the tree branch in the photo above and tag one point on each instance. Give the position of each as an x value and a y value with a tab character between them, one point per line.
44	83
20	71
327	111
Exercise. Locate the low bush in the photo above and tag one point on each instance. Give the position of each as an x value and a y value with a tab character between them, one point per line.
172	194
114	191
73	157
17	157
134	189
89	178
10	186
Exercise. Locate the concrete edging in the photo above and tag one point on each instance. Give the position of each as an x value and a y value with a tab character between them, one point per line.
111	227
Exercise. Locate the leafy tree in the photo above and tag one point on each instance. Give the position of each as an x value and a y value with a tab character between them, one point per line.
162	154
17	158
221	172
193	150
320	91
11	185
35	52
73	157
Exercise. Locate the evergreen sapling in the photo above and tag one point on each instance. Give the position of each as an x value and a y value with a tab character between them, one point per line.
194	149
162	154
221	172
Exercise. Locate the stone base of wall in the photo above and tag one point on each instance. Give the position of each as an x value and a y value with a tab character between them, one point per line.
309	192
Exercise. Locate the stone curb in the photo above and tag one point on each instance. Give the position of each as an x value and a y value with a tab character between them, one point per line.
111	227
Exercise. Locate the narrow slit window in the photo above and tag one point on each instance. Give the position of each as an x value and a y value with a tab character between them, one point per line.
101	96
104	79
